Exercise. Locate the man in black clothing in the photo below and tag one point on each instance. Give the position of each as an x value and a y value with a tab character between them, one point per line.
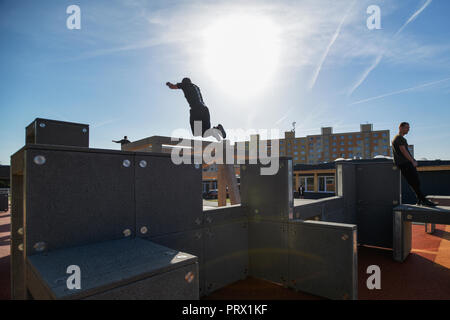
407	165
123	141
199	111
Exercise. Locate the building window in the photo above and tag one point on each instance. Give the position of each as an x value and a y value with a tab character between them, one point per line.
326	184
342	143
308	183
350	142
375	135
350	149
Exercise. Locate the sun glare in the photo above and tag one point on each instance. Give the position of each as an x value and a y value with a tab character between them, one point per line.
242	53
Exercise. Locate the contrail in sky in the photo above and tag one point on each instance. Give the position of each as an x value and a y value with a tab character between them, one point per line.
400	91
380	56
324	56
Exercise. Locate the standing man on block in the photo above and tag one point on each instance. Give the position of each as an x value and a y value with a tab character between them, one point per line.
407	165
123	141
199	111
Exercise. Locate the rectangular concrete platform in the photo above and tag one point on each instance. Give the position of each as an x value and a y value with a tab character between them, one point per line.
403	217
439	215
124	269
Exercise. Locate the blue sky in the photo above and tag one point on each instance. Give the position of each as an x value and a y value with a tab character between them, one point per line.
314	62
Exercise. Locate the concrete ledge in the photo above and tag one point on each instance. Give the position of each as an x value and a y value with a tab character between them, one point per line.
439	215
110	265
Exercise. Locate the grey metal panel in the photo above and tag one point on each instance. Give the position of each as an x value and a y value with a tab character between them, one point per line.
224	215
439	215
334	210
402	236
77	198
268	251
169	285
168	196
323	259
18	271
105	266
375	225
226	248
346	182
18	266
309	211
191	242
266	197
378	184
44	131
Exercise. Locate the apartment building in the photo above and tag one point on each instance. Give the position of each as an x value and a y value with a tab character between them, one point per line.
329	146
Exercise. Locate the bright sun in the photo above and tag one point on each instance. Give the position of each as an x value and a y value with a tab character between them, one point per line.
242	53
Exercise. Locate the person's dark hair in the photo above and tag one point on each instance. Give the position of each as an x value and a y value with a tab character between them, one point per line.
125	137
404	124
186	81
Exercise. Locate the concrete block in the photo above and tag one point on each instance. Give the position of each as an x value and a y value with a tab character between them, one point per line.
191	242
116	269
267	197
378	184
52	132
77	196
402	236
168	196
375	225
226	247
313	211
268	251
169	285
438	215
323	259
18	270
334	210
346	182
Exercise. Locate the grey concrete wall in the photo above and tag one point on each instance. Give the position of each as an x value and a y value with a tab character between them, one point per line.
370	190
267	197
226	247
323	259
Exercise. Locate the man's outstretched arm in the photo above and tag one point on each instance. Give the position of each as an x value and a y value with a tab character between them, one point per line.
171	85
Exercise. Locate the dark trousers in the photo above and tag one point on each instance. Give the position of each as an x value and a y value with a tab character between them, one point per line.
412	177
200	113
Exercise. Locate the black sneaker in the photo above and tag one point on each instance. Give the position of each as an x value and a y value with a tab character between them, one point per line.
426	203
222	131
